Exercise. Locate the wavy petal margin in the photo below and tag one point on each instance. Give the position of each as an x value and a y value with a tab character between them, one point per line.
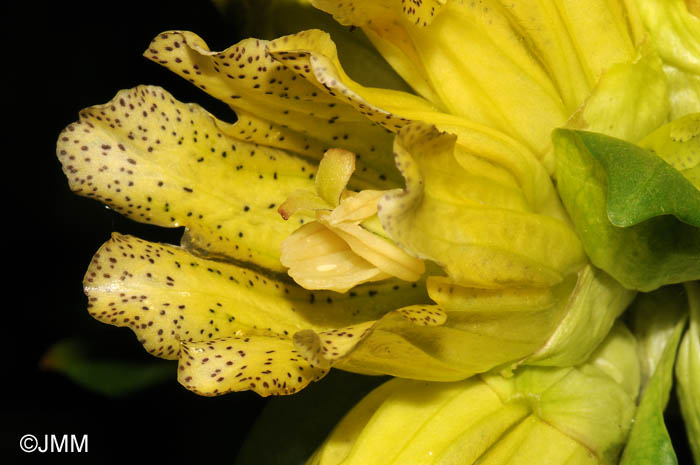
478	228
181	307
162	162
277	90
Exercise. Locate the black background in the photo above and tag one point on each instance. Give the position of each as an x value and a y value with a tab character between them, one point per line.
58	58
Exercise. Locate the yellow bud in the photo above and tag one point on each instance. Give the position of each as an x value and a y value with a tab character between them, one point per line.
577	415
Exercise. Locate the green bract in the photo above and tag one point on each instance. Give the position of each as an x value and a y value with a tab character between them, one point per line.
688	372
600	182
659	319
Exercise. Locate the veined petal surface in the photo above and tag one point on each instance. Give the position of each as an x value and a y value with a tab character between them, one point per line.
275	92
170	164
474	330
482	232
675	32
521	69
172	299
506	158
567	415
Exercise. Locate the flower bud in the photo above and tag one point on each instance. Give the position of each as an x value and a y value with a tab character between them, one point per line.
519	67
577	415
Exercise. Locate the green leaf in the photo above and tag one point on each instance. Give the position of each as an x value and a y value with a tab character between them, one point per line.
654	317
112	377
640	184
649	441
287	419
651	253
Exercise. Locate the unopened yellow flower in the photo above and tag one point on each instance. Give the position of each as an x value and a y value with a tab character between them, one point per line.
575	415
519	67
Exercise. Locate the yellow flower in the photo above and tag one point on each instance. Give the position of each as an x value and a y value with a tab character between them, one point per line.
468	191
166	163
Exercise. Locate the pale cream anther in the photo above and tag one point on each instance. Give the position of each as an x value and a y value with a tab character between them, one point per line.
336	251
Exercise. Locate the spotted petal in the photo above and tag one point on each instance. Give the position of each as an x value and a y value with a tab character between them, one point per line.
397	344
470	331
270	19
163	162
170	297
315	57
266	364
312	55
277	93
314	51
